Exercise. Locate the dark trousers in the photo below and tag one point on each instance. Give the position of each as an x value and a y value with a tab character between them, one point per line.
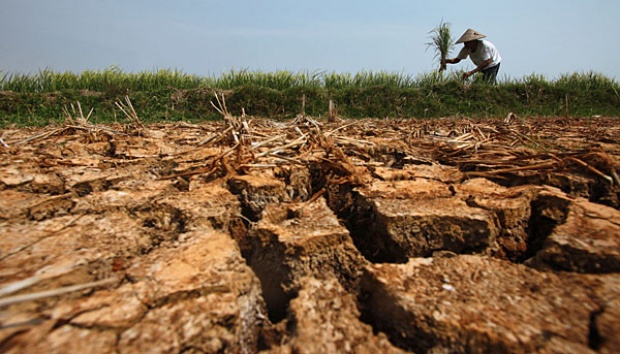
490	74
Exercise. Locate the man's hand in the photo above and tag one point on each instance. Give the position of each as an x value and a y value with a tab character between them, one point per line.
467	74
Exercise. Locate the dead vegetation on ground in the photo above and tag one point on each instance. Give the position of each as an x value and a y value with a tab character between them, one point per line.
48	174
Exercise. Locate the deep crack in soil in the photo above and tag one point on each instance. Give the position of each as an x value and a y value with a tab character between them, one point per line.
366	236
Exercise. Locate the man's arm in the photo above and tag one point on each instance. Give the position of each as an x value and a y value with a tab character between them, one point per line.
479	68
452	61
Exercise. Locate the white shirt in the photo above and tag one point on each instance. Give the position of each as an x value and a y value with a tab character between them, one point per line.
484	51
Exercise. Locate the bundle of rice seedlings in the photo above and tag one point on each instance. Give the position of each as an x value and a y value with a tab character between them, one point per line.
441	43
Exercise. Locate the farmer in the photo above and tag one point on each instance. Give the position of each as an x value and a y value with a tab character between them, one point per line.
483	53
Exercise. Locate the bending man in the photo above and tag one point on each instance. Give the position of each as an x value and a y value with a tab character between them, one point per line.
481	52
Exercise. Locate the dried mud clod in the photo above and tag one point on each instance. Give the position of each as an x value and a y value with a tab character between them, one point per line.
469	303
296	240
250	235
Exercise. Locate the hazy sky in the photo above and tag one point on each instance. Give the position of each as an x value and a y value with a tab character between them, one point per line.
207	37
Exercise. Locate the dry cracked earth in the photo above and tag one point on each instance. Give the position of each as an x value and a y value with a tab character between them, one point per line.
306	236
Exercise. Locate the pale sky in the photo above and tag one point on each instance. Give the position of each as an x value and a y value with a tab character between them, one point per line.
208	37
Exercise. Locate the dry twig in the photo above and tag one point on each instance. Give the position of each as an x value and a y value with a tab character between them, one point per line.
11	300
129	111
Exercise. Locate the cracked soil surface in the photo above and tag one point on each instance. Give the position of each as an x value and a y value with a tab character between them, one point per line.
369	236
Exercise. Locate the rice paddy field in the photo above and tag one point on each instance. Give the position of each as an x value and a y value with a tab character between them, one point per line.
171	95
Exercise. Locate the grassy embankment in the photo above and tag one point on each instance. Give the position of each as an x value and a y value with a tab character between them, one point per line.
169	95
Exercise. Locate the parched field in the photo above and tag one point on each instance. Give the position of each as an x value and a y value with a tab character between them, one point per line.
359	236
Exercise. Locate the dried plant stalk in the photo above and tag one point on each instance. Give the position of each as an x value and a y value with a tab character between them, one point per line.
54	292
129	111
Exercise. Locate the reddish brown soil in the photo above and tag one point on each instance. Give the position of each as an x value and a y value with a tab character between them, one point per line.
371	236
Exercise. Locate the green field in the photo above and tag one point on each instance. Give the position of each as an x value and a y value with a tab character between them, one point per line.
169	95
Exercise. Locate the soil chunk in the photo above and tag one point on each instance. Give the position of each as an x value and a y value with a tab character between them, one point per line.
587	241
479	304
295	240
325	319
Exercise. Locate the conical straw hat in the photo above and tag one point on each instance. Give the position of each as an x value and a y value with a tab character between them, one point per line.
470	35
